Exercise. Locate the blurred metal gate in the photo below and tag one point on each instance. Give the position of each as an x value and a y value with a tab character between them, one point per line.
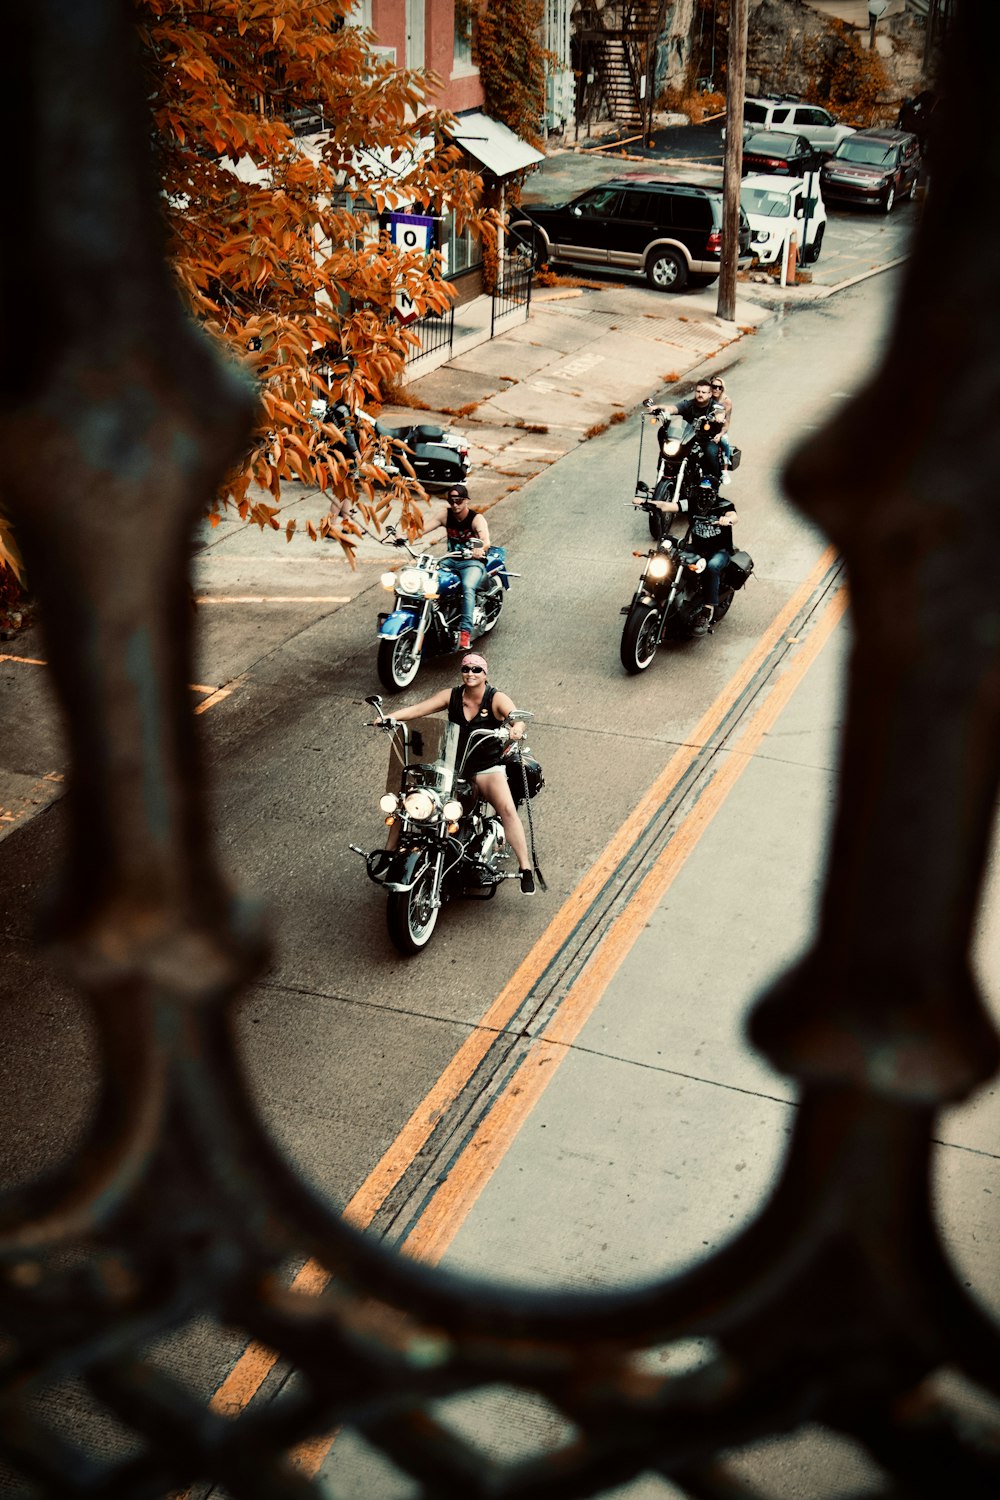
837	1306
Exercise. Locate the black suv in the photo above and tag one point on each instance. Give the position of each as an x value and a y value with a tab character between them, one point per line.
668	231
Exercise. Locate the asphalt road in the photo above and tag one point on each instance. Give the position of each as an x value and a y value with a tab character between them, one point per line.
341	1038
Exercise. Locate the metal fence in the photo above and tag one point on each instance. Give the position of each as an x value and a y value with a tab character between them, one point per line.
513	289
436	331
838	1305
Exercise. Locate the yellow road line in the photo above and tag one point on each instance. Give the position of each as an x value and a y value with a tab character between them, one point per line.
454	1199
28	661
250	1370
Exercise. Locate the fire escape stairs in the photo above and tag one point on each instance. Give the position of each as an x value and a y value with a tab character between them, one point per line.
619	38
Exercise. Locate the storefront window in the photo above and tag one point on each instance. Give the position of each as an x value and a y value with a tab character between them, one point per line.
461	251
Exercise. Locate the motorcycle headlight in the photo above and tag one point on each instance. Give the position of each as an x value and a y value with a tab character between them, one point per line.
388	581
699	566
411	581
658	567
672	448
452	811
389	802
418	805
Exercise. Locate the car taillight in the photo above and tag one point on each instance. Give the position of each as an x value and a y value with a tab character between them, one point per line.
714	243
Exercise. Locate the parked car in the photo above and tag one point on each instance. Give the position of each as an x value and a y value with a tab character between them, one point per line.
785	112
778	209
670	232
776	151
874	166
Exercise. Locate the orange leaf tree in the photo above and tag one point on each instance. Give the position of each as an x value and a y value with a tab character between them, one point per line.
274	234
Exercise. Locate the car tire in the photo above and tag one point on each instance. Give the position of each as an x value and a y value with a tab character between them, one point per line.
666	271
816	248
889	199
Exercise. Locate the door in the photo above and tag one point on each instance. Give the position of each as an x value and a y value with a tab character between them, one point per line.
819	128
584	231
415	40
633	229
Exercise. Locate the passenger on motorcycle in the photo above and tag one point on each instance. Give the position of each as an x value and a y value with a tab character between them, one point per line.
478	705
708	418
710	534
466	530
723	401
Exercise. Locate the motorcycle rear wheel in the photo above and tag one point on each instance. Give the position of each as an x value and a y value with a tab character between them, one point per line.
411	916
726	597
640	638
398	661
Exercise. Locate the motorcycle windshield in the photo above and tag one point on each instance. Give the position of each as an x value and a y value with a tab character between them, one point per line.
677	429
433	747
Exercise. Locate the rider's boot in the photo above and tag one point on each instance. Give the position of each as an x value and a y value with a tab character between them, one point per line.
703	623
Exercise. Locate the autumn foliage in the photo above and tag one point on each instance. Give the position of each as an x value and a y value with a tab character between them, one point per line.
280	137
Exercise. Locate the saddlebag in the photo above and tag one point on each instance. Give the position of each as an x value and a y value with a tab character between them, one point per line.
523	769
735	454
738	570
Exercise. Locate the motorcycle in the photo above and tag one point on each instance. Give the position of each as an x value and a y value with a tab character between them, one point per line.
427	611
682	464
670	593
349	422
437	457
450	842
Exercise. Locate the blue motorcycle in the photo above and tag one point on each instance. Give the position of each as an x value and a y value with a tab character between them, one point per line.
427	610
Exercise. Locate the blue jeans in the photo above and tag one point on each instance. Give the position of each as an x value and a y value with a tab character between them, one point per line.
715	566
471	571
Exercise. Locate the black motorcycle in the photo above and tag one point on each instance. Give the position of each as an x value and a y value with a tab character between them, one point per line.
449	842
436	456
683	463
670	595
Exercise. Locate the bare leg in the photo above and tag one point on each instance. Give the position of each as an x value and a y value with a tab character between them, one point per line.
495	789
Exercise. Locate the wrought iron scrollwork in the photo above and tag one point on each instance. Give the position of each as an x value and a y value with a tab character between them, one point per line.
838	1304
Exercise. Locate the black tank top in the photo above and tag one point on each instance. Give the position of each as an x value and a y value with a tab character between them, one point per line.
461	531
487	752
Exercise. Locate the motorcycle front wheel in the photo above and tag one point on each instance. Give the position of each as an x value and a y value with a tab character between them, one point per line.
411	916
640	637
398	661
492	604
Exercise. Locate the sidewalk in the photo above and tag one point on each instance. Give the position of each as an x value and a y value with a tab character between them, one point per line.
583	359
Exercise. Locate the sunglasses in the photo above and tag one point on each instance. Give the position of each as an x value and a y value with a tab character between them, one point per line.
473	669
718	387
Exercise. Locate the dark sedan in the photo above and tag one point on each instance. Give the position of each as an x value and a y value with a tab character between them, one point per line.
873	167
776	153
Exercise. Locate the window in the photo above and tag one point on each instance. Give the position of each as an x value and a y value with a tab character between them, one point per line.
754	114
415	42
460	251
360	15
812	116
598	204
636	205
462	60
779	116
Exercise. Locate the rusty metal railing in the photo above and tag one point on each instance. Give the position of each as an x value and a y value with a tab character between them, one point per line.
837	1306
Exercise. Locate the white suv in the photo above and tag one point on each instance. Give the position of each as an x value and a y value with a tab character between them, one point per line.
773	112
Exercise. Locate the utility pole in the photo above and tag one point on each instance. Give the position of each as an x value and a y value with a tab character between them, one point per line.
736	81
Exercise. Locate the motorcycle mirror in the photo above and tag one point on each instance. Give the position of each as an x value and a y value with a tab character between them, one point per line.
375	701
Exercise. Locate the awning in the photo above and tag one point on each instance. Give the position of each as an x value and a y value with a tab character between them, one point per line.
494	145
